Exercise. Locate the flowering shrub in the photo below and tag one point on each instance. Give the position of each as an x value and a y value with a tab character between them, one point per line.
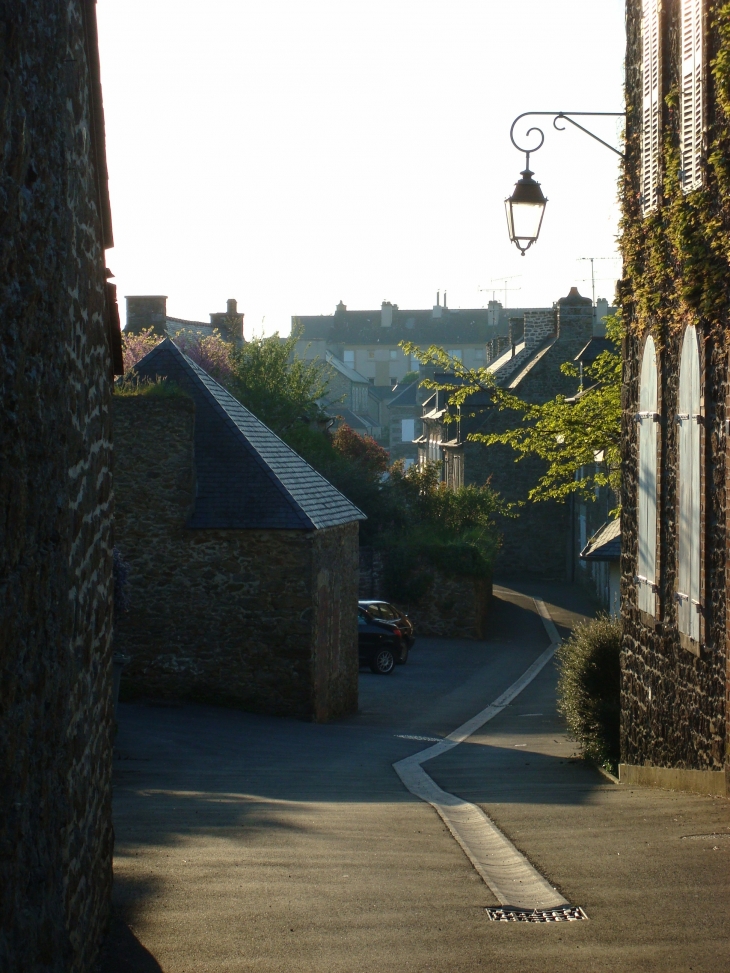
136	346
211	352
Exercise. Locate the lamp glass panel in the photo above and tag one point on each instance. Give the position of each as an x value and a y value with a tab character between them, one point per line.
526	219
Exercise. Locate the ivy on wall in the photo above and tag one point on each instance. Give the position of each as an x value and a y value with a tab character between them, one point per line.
677	258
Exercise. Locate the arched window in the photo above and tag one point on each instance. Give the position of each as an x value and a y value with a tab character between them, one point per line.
689	420
647	421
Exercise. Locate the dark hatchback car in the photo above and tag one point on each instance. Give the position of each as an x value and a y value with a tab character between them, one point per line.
383	611
380	645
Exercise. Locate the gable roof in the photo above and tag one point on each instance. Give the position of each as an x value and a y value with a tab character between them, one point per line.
605	545
247	478
405	395
349	373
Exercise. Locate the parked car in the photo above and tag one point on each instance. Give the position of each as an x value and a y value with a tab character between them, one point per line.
380	645
383	611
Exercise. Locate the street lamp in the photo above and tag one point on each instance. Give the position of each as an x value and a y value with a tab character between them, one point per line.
525	209
526	206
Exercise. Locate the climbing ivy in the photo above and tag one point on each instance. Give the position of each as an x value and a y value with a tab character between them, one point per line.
676	259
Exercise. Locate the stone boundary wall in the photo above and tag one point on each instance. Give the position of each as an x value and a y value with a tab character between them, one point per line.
453	607
250	618
55	499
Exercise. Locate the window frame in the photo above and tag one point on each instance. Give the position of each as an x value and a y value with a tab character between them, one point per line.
648	419
691	511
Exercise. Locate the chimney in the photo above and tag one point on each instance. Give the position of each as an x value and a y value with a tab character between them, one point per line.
601	313
538	327
229	322
147	311
386	314
444	299
436	312
575	319
341	308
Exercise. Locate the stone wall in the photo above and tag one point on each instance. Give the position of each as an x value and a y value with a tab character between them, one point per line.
252	618
675	730
673	703
55	496
452	607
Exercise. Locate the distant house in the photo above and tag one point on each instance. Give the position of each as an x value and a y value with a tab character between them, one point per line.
602	555
368	341
405	423
348	398
150	311
243	560
540	542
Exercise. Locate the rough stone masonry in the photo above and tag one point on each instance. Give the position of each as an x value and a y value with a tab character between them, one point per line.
55	493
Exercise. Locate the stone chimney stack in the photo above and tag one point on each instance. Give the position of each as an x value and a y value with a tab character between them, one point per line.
386	314
147	311
229	322
575	319
538	327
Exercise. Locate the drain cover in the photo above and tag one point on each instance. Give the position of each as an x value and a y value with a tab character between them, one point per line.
566	913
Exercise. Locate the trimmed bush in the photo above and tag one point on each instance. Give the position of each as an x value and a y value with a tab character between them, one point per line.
589	689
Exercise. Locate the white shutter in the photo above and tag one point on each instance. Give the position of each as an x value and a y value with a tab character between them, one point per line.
651	105
647	420
692	121
689	546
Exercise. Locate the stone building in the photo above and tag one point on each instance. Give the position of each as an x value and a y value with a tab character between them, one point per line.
546	538
243	560
58	344
674	295
349	399
368	341
150	311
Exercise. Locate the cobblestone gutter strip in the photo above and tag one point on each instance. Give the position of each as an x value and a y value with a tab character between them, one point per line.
510	876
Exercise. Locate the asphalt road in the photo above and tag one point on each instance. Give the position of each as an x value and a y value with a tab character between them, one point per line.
246	843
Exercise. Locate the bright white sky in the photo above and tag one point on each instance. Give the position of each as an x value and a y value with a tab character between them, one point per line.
292	153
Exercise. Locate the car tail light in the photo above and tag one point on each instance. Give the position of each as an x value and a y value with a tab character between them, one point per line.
397	631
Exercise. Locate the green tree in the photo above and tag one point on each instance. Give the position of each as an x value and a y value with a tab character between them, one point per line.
569	436
280	388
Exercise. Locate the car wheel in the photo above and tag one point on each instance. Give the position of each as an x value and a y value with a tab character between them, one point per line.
383	662
403	655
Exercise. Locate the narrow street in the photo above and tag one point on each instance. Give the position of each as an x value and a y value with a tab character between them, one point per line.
247	843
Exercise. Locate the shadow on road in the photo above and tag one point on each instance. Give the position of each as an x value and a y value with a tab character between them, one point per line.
122	952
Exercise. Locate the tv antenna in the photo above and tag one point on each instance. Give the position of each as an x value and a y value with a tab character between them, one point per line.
593	274
504	288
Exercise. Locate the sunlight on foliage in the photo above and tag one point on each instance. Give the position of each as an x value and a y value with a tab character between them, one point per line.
570	436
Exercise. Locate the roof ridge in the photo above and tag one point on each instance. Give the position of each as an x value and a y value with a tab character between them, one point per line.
208	385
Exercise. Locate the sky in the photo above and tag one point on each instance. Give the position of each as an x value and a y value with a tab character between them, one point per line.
295	153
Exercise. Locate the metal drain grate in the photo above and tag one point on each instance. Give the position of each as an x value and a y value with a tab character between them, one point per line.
566	913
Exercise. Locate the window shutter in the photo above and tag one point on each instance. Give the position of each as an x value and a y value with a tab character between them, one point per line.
692	94
689	542
647	479
651	108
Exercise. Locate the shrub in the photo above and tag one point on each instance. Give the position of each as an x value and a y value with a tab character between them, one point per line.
159	388
589	689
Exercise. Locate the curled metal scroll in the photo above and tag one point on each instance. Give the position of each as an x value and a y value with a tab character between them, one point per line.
562	116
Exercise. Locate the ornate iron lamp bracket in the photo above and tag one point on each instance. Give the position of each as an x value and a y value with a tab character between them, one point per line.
563	116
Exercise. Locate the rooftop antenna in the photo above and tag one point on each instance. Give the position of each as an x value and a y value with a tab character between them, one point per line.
593	278
504	288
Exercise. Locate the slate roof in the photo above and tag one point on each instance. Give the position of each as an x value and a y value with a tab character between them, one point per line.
246	476
345	370
595	347
605	545
405	395
453	327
